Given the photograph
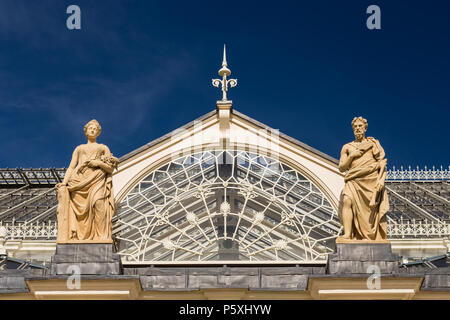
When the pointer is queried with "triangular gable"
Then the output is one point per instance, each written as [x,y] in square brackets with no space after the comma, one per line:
[208,128]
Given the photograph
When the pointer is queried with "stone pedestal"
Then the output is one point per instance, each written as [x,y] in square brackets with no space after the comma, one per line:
[90,258]
[356,258]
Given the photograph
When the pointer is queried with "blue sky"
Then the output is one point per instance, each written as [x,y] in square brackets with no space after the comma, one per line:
[144,68]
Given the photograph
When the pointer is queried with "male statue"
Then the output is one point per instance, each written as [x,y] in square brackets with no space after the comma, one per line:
[364,200]
[85,197]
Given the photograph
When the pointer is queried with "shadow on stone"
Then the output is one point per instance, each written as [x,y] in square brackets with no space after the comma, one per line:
[355,258]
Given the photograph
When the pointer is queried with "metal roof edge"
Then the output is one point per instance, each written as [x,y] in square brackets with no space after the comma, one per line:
[241,115]
[288,138]
[165,137]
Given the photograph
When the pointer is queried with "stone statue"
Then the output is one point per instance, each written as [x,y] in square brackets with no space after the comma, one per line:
[364,200]
[85,197]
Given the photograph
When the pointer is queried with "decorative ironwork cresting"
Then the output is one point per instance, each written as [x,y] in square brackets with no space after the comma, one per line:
[434,174]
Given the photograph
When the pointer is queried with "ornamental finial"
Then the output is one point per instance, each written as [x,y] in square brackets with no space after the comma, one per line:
[224,61]
[224,72]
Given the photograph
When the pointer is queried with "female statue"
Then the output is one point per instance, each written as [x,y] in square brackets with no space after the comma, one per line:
[85,197]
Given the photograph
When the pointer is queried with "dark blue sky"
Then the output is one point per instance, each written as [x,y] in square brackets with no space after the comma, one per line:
[144,68]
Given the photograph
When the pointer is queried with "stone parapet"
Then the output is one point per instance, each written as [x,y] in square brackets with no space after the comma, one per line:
[194,278]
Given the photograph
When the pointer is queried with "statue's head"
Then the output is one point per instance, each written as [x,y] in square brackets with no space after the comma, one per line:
[92,129]
[359,126]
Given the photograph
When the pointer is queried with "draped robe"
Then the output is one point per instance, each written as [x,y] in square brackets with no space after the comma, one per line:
[86,205]
[369,207]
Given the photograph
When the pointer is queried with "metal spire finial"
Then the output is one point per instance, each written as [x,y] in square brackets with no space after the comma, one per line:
[224,61]
[224,72]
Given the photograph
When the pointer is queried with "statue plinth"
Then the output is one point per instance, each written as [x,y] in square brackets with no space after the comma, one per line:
[357,256]
[90,258]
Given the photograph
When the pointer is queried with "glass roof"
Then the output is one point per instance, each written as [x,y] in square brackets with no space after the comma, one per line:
[222,206]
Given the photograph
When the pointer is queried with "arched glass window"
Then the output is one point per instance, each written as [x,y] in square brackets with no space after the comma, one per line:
[222,206]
